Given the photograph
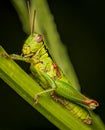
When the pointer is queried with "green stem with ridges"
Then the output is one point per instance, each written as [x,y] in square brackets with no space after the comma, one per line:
[26,87]
[44,24]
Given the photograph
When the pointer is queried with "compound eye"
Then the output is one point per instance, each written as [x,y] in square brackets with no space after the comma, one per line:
[39,38]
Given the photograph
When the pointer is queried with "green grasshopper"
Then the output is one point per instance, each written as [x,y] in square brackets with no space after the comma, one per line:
[48,74]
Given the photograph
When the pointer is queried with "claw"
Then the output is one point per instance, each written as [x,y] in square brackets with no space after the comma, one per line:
[88,121]
[36,99]
[5,55]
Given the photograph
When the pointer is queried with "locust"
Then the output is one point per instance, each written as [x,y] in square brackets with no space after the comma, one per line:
[48,73]
[51,78]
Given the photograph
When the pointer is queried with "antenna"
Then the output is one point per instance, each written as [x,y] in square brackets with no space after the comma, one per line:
[33,23]
[31,19]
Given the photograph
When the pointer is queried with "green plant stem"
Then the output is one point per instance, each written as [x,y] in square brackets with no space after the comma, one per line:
[48,28]
[26,87]
[44,24]
[21,8]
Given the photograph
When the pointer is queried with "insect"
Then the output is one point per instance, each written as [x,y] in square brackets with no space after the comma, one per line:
[50,76]
[47,72]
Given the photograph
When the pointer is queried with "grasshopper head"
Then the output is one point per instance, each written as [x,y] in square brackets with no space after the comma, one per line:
[32,44]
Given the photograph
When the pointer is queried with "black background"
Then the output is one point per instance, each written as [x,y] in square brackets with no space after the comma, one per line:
[81,26]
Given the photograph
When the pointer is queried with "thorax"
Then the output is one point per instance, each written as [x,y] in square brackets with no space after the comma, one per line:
[42,62]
